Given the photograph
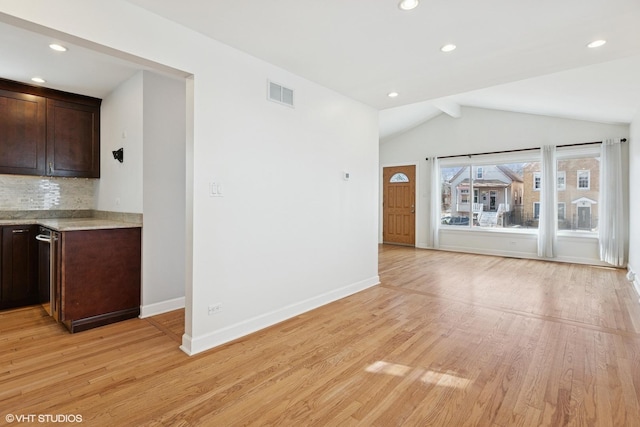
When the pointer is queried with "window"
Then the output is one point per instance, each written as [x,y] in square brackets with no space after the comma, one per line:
[399,177]
[562,179]
[561,211]
[496,200]
[508,193]
[454,203]
[464,195]
[580,195]
[537,180]
[584,179]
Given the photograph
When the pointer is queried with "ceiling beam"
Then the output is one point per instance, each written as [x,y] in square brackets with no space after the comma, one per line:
[448,107]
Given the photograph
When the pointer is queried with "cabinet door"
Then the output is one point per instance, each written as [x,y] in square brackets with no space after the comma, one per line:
[73,139]
[22,133]
[19,275]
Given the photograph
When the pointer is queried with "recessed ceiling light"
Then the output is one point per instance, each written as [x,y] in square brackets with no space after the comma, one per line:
[596,43]
[448,47]
[392,94]
[58,47]
[38,79]
[408,4]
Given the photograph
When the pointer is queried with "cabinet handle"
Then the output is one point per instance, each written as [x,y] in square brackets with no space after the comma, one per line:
[20,231]
[50,167]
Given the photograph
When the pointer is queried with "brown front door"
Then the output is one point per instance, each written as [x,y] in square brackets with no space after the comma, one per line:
[398,205]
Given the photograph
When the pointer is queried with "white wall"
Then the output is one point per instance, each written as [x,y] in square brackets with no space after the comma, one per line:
[164,175]
[146,116]
[289,233]
[478,131]
[119,188]
[634,198]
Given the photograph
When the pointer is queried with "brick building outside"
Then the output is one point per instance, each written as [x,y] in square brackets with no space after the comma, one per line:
[578,194]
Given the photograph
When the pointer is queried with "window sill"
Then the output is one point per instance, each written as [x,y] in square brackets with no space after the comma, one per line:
[524,231]
[579,234]
[492,230]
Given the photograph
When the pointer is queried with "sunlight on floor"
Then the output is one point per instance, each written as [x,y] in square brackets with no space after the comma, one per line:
[430,377]
[445,380]
[381,367]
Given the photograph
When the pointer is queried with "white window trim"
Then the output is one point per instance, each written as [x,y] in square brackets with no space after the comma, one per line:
[588,187]
[562,187]
[491,159]
[539,176]
[462,192]
[564,210]
[479,172]
[563,153]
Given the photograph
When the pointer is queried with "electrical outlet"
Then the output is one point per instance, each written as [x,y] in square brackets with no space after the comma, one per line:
[215,308]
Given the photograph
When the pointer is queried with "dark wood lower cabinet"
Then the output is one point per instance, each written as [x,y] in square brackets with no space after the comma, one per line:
[19,266]
[93,280]
[100,275]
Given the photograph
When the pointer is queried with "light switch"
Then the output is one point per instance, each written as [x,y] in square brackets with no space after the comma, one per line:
[215,189]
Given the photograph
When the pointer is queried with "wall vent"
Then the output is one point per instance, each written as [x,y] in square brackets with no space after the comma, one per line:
[280,94]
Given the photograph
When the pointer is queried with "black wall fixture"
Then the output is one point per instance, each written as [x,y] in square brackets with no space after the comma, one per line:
[119,155]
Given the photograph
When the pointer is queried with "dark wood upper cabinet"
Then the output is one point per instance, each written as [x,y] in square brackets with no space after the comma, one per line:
[47,132]
[22,133]
[73,139]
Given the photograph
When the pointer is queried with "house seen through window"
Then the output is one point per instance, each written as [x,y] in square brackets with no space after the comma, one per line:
[498,195]
[507,195]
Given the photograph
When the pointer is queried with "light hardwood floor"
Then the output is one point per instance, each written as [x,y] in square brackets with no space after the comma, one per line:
[446,340]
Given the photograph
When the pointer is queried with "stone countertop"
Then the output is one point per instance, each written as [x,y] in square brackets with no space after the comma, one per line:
[72,224]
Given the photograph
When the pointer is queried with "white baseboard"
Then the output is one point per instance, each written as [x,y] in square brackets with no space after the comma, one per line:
[193,345]
[161,307]
[522,255]
[635,282]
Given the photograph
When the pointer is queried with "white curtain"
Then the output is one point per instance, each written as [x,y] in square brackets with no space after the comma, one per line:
[611,224]
[548,220]
[434,234]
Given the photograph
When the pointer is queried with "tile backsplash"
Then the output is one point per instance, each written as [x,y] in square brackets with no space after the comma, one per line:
[26,193]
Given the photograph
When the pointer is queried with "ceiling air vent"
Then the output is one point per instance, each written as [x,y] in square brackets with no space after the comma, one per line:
[280,94]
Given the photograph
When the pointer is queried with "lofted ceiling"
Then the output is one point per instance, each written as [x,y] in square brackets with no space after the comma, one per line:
[606,92]
[527,55]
